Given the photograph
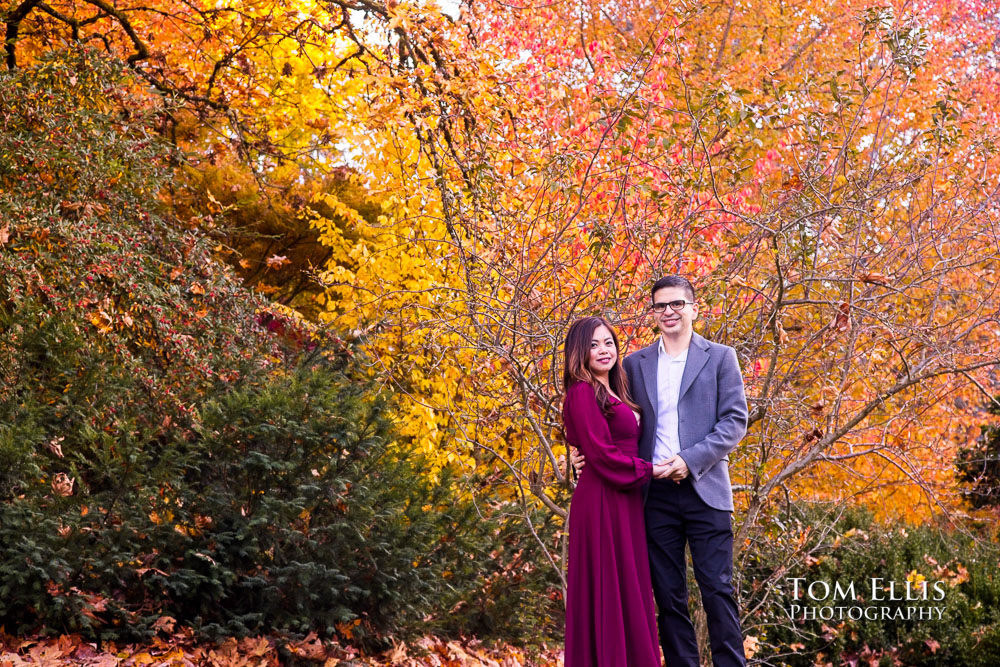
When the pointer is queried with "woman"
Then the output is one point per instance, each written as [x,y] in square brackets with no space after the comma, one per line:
[609,598]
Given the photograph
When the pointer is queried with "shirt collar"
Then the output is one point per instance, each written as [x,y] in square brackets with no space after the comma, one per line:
[661,352]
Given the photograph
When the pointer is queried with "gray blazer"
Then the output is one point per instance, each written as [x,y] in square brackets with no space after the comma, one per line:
[711,411]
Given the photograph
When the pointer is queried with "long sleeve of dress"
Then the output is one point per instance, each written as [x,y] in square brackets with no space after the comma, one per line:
[587,429]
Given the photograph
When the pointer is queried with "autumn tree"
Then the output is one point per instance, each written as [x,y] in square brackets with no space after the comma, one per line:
[825,173]
[830,195]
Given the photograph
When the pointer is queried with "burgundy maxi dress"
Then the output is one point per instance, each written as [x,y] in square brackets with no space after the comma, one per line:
[609,599]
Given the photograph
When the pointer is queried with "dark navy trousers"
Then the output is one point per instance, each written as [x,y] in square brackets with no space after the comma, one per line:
[676,516]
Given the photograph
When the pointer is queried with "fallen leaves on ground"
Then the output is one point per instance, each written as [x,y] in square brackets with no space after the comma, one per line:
[181,650]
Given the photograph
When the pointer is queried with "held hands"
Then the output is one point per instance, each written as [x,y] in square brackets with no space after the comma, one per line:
[673,468]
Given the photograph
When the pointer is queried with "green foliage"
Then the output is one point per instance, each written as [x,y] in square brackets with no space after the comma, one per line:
[959,568]
[304,493]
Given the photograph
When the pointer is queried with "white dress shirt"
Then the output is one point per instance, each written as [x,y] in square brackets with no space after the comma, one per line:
[669,371]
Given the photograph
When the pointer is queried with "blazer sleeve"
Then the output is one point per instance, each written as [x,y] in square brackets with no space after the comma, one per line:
[587,429]
[731,425]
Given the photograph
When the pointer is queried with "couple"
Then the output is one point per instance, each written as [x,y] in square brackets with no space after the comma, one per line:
[654,441]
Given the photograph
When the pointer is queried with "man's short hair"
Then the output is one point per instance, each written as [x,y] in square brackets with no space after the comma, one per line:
[672,281]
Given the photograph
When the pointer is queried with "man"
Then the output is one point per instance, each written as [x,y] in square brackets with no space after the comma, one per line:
[694,413]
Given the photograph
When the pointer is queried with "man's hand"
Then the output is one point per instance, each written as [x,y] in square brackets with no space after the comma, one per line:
[678,468]
[577,459]
[674,468]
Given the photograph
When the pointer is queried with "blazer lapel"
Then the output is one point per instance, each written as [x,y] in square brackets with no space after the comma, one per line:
[696,360]
[647,364]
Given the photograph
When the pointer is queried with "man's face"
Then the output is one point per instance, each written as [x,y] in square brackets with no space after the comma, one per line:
[674,323]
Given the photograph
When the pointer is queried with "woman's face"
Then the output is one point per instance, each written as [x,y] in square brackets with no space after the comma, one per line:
[603,354]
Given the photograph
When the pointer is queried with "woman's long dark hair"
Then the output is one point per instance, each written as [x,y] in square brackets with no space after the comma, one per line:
[576,366]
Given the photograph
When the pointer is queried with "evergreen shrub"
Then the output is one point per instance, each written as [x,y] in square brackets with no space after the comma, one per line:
[958,564]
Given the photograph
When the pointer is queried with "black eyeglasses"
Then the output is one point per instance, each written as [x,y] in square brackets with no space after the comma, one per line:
[675,306]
